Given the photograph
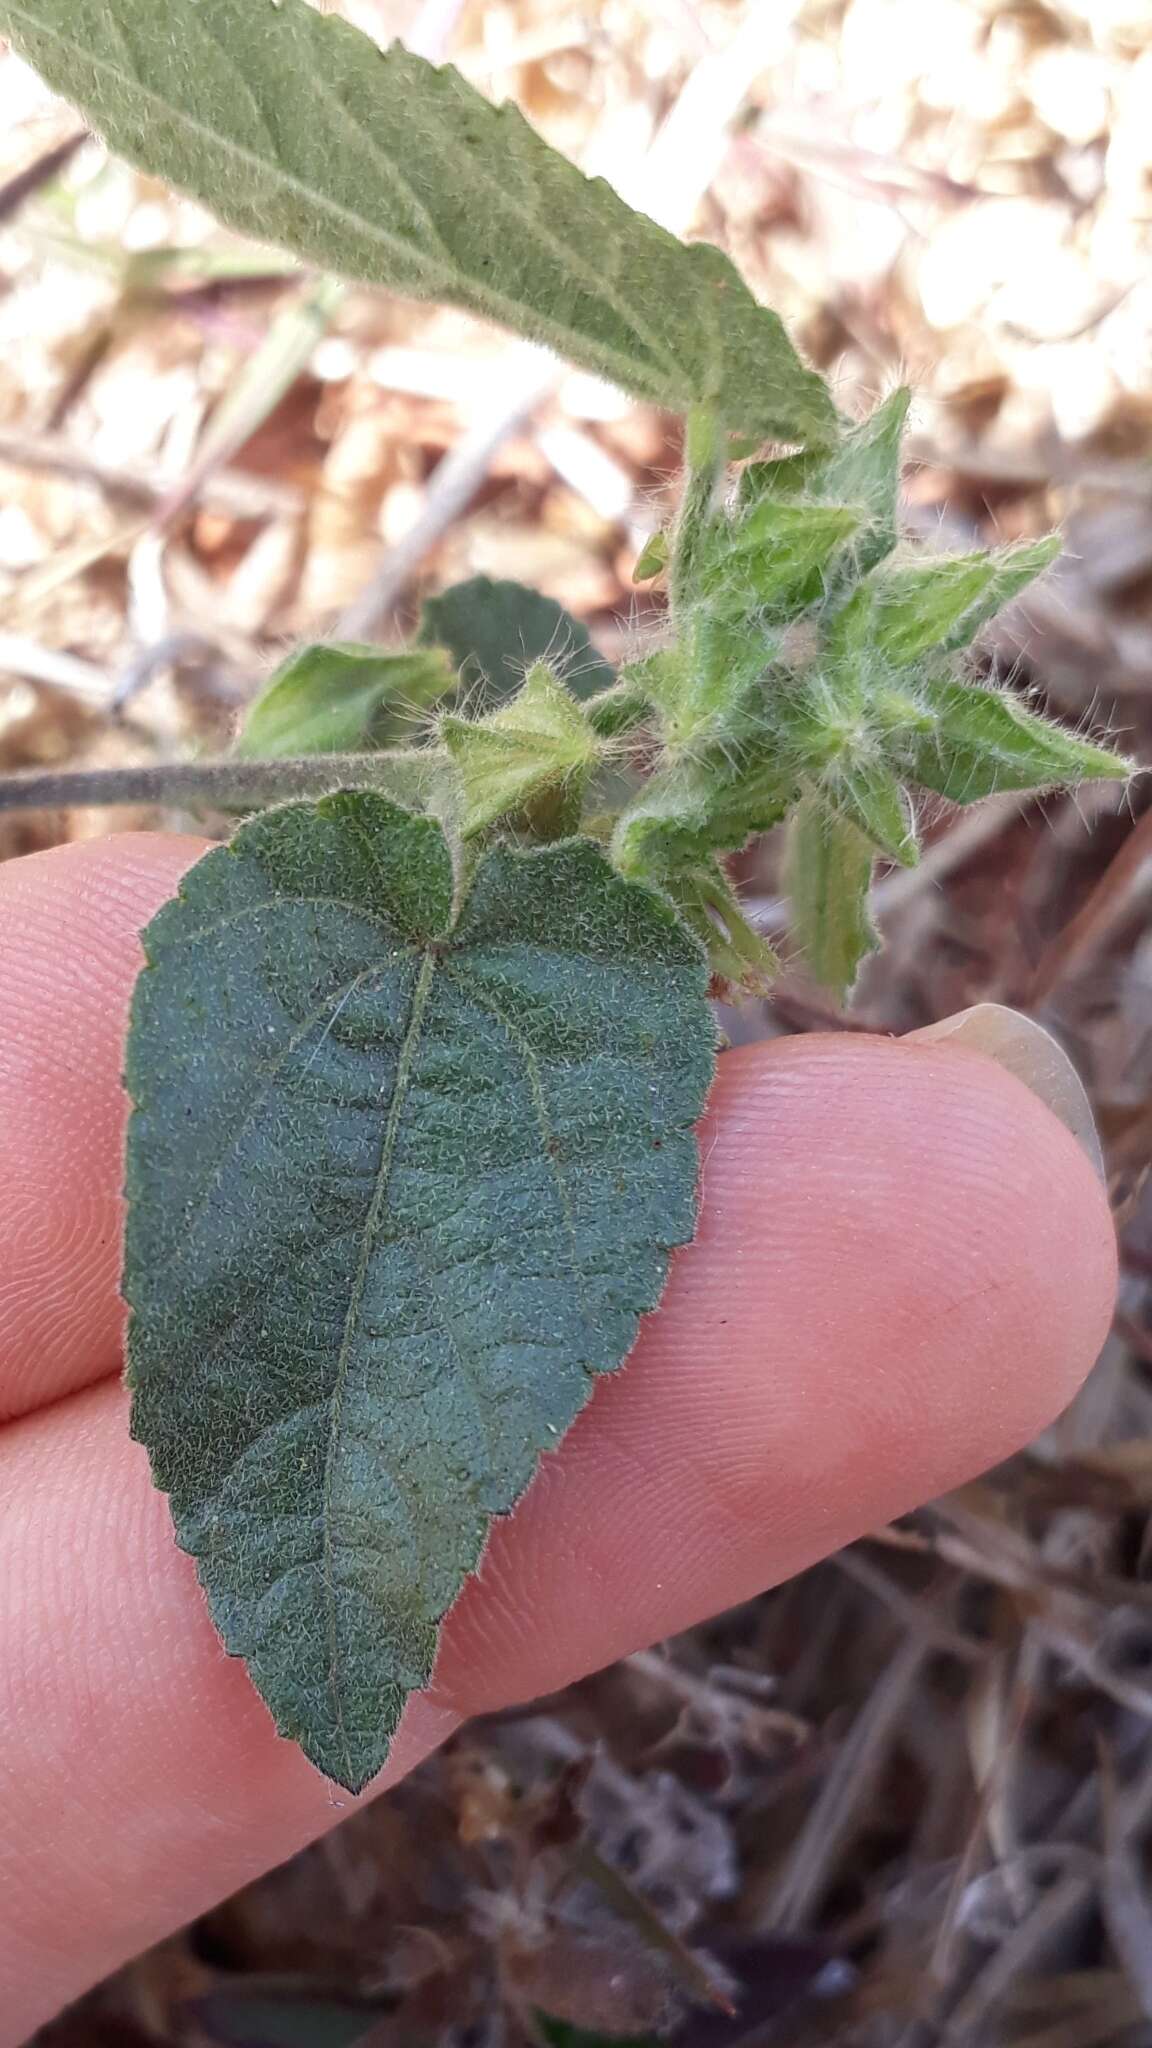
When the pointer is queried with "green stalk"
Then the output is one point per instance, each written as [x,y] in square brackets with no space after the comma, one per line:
[704,451]
[617,711]
[228,784]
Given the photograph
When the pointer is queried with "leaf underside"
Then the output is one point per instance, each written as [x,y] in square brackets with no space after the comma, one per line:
[294,127]
[398,1190]
[333,699]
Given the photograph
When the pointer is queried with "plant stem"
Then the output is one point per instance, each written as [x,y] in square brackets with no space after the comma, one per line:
[617,710]
[703,466]
[225,784]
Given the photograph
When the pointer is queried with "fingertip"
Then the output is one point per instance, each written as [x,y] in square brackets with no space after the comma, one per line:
[1049,1233]
[926,1220]
[120,880]
[903,1269]
[70,920]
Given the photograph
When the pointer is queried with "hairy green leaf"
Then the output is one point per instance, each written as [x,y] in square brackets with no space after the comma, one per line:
[707,686]
[981,741]
[829,873]
[652,559]
[621,709]
[867,792]
[707,902]
[495,629]
[294,127]
[402,1180]
[848,643]
[693,808]
[333,699]
[775,559]
[540,745]
[940,605]
[863,471]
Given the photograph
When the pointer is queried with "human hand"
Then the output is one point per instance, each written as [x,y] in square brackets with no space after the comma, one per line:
[904,1268]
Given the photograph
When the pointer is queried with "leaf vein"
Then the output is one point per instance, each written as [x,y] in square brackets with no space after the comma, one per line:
[273,905]
[400,1085]
[334,1000]
[531,1065]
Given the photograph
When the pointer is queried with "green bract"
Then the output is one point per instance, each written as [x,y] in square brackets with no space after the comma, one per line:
[811,676]
[415,1081]
[403,1178]
[531,759]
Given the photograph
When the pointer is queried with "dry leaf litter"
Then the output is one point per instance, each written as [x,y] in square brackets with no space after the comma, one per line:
[906,1799]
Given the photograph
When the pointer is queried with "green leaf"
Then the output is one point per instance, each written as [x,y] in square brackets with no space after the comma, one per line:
[819,720]
[829,875]
[863,471]
[401,1183]
[776,559]
[621,709]
[495,630]
[941,605]
[848,643]
[867,792]
[294,127]
[660,676]
[558,2034]
[539,745]
[690,809]
[334,699]
[707,902]
[982,741]
[653,558]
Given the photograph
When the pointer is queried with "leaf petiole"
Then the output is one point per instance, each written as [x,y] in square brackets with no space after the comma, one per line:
[704,453]
[408,776]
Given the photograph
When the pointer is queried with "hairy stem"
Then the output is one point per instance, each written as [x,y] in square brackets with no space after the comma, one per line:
[226,784]
[704,448]
[617,710]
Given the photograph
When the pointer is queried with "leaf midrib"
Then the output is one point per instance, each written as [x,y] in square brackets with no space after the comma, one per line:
[404,1065]
[434,955]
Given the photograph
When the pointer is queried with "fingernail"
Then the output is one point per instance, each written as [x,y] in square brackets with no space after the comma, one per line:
[1033,1055]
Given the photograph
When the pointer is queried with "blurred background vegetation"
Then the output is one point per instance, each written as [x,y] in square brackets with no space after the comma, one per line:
[904,1800]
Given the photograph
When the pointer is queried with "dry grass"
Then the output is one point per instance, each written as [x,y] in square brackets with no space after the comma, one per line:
[957,191]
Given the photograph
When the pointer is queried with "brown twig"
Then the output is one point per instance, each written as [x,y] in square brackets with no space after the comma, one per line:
[242,496]
[1127,877]
[41,172]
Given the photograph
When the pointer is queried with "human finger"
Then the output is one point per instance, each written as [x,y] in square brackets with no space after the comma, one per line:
[904,1266]
[70,921]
